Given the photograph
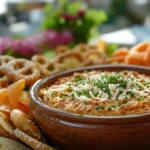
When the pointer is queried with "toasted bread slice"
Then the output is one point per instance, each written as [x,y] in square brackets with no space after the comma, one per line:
[6,127]
[8,144]
[28,140]
[23,122]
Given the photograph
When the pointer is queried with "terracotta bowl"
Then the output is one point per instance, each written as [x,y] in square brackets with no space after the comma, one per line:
[70,131]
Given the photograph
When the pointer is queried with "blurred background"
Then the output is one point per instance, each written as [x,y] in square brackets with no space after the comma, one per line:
[128,21]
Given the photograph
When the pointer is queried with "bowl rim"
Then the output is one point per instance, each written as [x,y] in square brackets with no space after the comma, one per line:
[37,100]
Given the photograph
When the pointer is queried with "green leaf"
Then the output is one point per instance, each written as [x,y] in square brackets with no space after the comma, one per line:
[94,32]
[62,3]
[96,16]
[19,36]
[48,8]
[102,17]
[49,23]
[73,7]
[62,20]
[111,49]
[79,22]
[49,53]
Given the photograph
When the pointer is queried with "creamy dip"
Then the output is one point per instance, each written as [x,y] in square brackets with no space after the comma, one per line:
[100,93]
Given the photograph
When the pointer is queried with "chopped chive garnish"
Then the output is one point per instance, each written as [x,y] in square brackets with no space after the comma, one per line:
[99,107]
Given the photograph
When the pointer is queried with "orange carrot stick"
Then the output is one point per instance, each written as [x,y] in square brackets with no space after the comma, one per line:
[142,47]
[121,52]
[147,57]
[135,59]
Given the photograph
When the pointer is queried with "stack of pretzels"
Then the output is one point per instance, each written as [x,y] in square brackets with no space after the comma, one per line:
[13,69]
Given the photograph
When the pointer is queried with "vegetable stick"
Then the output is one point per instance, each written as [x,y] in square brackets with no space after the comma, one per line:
[135,59]
[140,47]
[147,56]
[121,52]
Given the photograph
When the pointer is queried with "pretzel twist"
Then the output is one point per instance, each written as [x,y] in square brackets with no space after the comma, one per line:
[22,69]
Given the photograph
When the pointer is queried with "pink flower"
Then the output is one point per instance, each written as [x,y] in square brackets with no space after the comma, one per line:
[39,40]
[5,44]
[81,13]
[69,17]
[54,38]
[24,47]
[33,45]
[67,37]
